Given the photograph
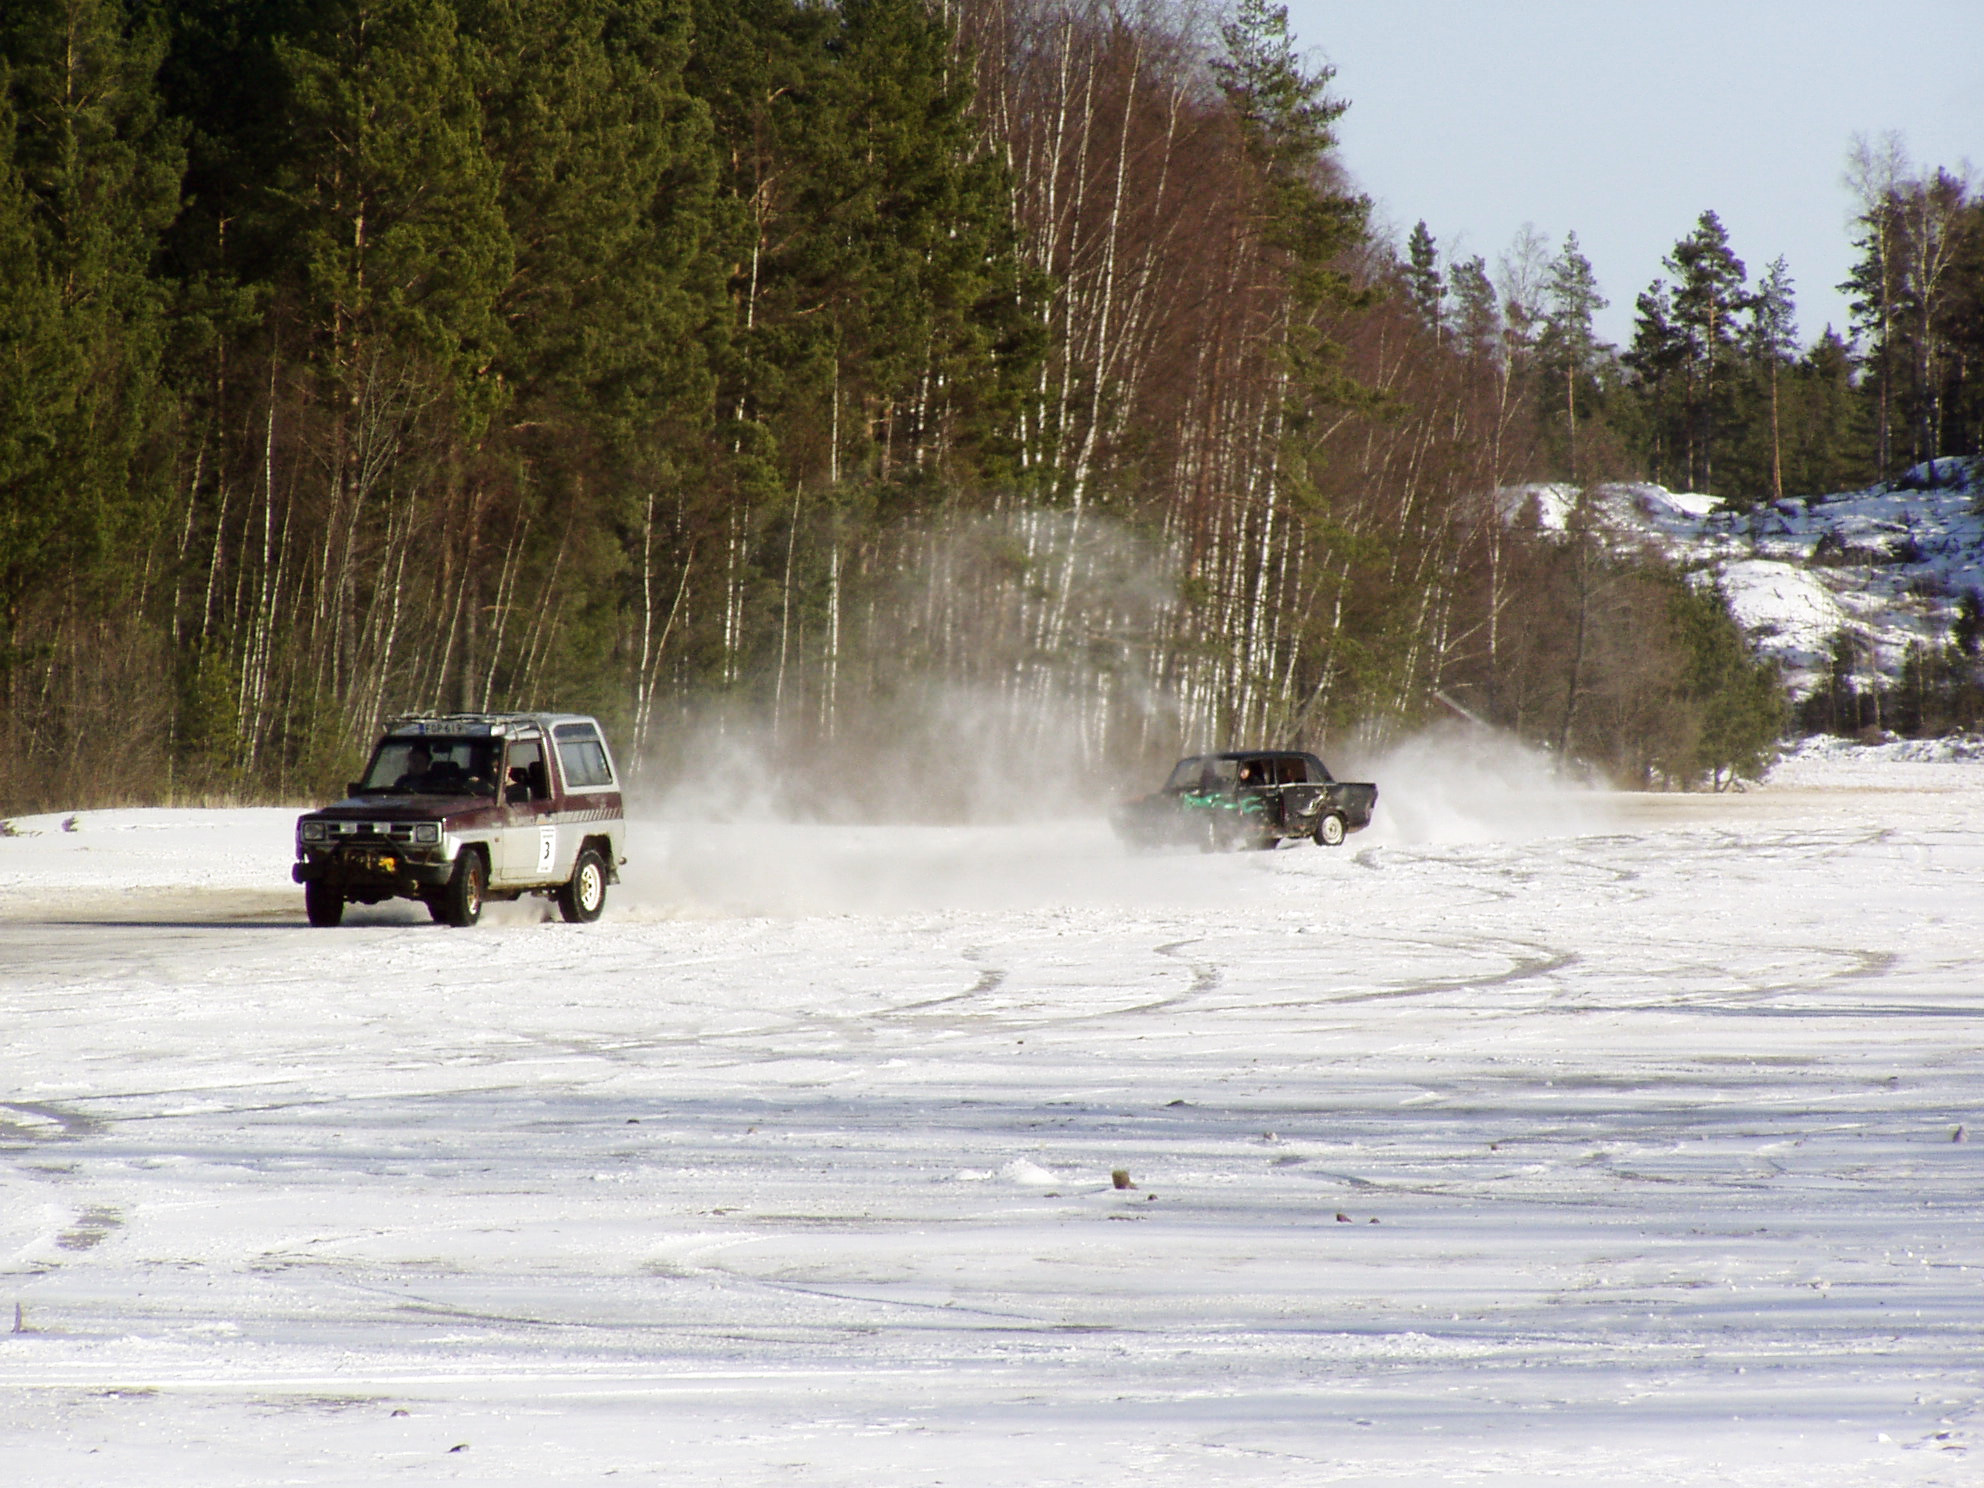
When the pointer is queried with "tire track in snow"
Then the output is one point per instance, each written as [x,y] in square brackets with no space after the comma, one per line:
[67,1125]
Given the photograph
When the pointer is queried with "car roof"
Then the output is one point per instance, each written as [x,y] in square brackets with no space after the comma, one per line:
[1237,754]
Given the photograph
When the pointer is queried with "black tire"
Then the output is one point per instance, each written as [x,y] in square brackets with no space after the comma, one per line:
[323,905]
[1330,830]
[461,900]
[581,899]
[436,901]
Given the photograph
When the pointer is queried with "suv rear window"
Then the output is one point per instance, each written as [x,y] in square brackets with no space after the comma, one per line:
[583,757]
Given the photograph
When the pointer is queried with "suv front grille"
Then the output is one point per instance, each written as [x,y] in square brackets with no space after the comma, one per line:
[362,831]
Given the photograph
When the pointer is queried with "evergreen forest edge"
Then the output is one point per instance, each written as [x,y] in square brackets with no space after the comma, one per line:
[880,382]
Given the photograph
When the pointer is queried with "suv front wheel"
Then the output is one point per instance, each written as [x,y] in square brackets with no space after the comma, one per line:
[323,905]
[584,896]
[461,900]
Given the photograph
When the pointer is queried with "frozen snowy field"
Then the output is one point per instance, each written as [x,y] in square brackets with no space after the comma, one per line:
[1533,1139]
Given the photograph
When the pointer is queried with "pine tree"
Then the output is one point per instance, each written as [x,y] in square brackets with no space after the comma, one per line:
[1708,304]
[1287,122]
[389,195]
[1771,341]
[1829,443]
[1657,358]
[1875,173]
[1423,282]
[398,252]
[1570,346]
[1737,698]
[914,240]
[606,168]
[89,177]
[1908,288]
[1963,331]
[1477,311]
[39,380]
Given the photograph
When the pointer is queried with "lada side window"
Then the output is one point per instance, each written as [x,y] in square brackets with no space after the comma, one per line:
[1255,773]
[583,757]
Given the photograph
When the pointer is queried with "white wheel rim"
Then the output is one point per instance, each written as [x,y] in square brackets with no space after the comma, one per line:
[592,887]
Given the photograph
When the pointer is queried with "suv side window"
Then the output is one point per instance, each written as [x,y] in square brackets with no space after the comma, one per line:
[527,769]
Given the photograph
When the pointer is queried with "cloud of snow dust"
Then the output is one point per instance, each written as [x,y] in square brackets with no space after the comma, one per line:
[1467,783]
[1001,677]
[967,758]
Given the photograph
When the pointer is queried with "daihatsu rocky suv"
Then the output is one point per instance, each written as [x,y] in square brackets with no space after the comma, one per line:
[461,808]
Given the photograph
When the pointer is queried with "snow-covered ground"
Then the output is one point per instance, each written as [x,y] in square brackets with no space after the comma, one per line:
[1887,566]
[1532,1137]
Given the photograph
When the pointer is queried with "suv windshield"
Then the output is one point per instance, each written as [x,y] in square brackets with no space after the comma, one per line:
[430,766]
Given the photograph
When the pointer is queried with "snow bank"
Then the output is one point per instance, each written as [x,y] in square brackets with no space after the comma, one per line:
[1887,565]
[187,848]
[1785,611]
[1916,765]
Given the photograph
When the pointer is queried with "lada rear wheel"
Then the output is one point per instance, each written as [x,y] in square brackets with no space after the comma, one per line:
[323,905]
[1329,830]
[581,900]
[462,901]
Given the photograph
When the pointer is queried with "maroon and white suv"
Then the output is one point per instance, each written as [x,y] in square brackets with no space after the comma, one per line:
[457,809]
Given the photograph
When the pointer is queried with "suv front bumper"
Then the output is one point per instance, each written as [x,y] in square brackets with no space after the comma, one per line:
[372,870]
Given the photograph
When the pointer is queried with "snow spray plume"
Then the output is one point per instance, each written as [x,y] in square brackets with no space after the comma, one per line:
[999,674]
[992,686]
[1469,783]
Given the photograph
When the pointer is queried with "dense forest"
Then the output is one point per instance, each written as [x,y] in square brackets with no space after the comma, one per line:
[875,388]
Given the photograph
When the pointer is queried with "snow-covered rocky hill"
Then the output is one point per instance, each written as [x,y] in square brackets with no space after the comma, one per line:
[1888,565]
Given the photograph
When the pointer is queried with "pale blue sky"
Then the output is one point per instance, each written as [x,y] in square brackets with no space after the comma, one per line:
[1623,121]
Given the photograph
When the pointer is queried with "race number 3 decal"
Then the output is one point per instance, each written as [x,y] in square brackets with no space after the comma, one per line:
[547,848]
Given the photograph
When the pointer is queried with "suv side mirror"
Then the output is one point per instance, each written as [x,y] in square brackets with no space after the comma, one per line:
[516,794]
[353,787]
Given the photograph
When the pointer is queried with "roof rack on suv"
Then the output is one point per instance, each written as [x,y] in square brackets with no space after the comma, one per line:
[456,723]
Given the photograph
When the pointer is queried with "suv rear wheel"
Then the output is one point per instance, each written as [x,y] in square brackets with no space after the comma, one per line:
[461,900]
[581,899]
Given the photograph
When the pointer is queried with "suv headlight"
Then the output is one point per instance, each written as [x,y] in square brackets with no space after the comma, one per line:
[315,831]
[426,831]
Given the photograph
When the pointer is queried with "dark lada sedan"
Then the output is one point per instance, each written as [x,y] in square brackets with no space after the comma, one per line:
[1247,798]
